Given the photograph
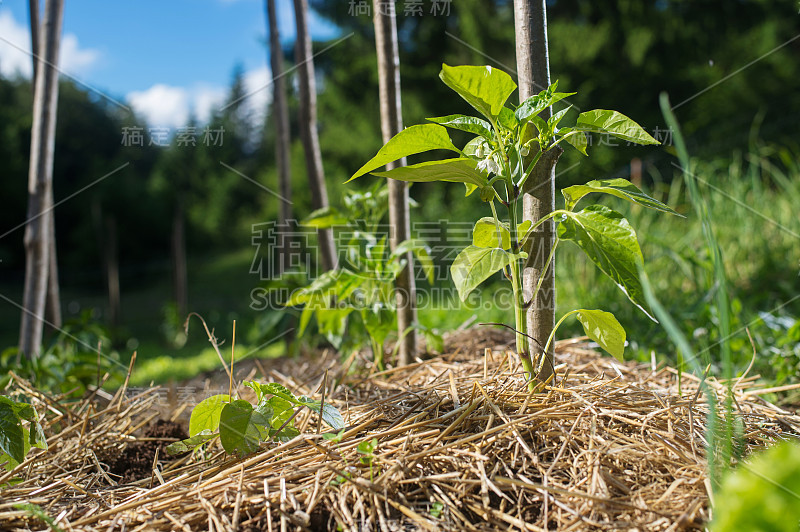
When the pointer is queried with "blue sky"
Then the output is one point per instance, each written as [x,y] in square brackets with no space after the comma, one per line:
[165,58]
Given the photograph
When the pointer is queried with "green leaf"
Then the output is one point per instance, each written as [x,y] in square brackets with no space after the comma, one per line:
[615,124]
[256,387]
[380,322]
[610,242]
[761,493]
[330,414]
[471,148]
[205,415]
[410,141]
[470,124]
[485,233]
[420,250]
[470,189]
[239,427]
[37,438]
[552,123]
[12,438]
[507,119]
[541,125]
[283,401]
[618,187]
[279,390]
[603,328]
[24,411]
[335,437]
[190,444]
[368,446]
[283,412]
[537,103]
[483,87]
[339,283]
[577,139]
[308,312]
[36,511]
[332,323]
[265,408]
[8,464]
[459,170]
[474,265]
[325,218]
[433,339]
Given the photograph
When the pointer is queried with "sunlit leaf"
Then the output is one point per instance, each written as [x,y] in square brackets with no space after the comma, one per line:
[192,443]
[325,218]
[460,170]
[618,187]
[205,415]
[485,88]
[470,124]
[610,242]
[410,141]
[614,123]
[474,265]
[603,328]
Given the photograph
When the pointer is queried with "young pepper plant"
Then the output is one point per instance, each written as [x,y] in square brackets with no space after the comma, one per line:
[508,143]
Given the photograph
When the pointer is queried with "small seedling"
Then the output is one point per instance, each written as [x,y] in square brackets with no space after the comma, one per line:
[37,511]
[20,430]
[436,509]
[333,437]
[367,449]
[242,426]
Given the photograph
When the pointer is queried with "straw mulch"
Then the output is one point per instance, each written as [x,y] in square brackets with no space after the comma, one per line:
[461,446]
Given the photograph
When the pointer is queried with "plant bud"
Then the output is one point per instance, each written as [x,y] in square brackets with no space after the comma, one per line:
[487,193]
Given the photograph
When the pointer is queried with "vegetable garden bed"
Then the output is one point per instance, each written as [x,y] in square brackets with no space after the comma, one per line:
[450,443]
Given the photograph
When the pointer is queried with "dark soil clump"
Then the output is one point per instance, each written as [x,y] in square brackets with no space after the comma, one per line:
[136,460]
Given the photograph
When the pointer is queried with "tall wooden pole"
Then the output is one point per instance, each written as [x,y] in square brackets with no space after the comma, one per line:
[308,128]
[52,309]
[40,182]
[533,70]
[280,110]
[385,20]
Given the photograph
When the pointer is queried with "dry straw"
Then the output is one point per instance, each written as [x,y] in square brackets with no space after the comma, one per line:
[461,446]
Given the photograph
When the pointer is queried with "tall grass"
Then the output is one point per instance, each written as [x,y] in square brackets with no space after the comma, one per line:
[751,204]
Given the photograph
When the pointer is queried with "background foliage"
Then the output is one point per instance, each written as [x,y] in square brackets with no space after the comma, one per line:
[739,119]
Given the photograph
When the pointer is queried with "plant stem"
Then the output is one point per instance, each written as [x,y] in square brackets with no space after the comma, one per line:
[521,325]
[377,355]
[552,336]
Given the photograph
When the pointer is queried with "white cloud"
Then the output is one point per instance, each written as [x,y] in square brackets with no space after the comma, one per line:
[171,106]
[258,87]
[75,60]
[162,105]
[12,60]
[206,99]
[15,46]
